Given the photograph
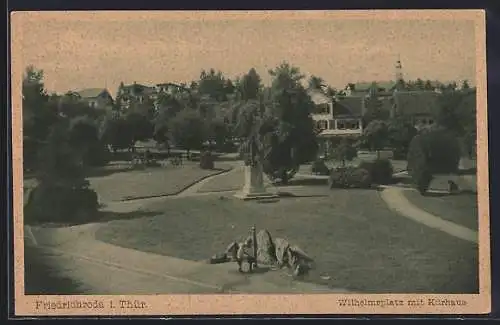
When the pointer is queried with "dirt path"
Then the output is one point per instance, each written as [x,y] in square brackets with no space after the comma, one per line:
[396,201]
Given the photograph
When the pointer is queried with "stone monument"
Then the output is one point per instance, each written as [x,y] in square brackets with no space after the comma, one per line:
[253,148]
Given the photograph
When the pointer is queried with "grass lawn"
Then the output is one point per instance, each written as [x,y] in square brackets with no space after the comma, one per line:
[227,182]
[149,182]
[461,209]
[363,247]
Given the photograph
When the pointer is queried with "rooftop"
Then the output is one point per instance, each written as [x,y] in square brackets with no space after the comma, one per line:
[416,102]
[91,92]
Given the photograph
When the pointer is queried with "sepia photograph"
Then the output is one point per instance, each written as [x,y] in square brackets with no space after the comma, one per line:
[328,160]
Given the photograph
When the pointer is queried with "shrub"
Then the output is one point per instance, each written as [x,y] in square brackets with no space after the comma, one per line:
[432,152]
[207,160]
[61,204]
[98,155]
[348,177]
[319,167]
[380,170]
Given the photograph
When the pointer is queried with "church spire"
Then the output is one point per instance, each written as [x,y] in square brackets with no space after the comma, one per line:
[399,73]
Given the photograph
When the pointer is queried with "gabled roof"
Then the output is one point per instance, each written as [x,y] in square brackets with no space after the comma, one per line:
[365,86]
[349,105]
[416,102]
[91,92]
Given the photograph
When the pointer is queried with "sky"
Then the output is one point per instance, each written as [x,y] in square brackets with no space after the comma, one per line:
[96,50]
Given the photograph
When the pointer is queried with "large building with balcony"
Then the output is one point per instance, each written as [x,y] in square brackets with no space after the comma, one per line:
[336,118]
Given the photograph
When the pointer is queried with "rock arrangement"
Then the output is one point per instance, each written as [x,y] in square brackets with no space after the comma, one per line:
[275,252]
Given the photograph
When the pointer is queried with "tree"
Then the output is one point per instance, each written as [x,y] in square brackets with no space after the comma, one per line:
[419,84]
[250,85]
[465,85]
[139,125]
[117,134]
[291,136]
[400,133]
[39,114]
[188,130]
[345,151]
[212,84]
[229,87]
[457,113]
[401,84]
[84,137]
[219,132]
[428,85]
[316,83]
[331,92]
[374,109]
[432,151]
[452,86]
[62,193]
[375,136]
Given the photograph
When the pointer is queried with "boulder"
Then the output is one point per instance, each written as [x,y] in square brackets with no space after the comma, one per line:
[297,251]
[231,251]
[265,248]
[282,248]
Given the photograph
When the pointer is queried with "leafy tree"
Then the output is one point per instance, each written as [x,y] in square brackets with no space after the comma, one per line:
[419,84]
[229,88]
[213,84]
[139,125]
[375,136]
[84,137]
[219,132]
[432,151]
[400,133]
[117,134]
[331,92]
[62,193]
[39,114]
[374,109]
[452,86]
[316,82]
[457,113]
[188,130]
[428,85]
[343,152]
[287,126]
[401,84]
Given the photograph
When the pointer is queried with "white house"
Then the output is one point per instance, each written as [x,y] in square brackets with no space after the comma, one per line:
[337,118]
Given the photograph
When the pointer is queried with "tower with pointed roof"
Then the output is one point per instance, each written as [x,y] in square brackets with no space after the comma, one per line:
[399,74]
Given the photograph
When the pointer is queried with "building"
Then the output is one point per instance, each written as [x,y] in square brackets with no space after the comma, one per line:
[336,118]
[142,93]
[135,93]
[418,107]
[99,98]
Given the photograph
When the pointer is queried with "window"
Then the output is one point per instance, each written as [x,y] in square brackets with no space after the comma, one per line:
[352,125]
[322,109]
[322,125]
[332,124]
[341,125]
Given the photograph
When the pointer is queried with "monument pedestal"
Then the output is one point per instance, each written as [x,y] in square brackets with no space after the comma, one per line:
[254,188]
